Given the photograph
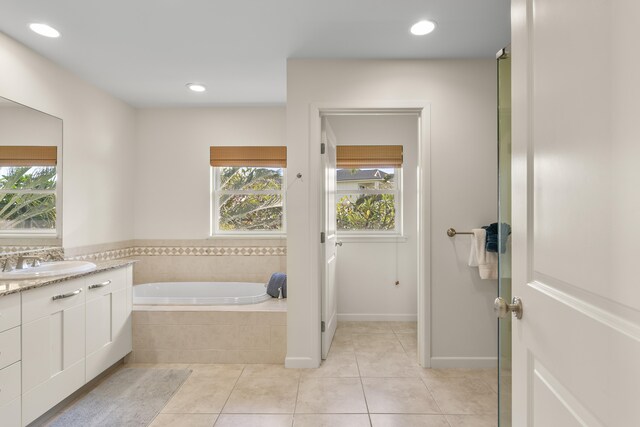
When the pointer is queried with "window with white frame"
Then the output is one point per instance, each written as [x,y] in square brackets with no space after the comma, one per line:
[28,190]
[248,190]
[369,189]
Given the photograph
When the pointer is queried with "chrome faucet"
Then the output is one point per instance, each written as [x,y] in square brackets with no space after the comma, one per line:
[20,264]
[6,264]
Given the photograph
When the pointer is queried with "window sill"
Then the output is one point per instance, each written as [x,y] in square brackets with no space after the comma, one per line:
[28,235]
[372,239]
[248,237]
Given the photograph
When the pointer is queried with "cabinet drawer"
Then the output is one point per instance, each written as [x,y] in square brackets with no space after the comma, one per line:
[10,382]
[9,347]
[105,282]
[9,311]
[40,302]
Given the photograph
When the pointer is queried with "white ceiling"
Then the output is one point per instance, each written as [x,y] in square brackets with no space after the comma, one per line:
[145,51]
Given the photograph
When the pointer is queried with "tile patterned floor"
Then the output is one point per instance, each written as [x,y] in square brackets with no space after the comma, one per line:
[369,379]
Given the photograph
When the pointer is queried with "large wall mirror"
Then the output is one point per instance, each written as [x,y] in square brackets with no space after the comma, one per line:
[30,178]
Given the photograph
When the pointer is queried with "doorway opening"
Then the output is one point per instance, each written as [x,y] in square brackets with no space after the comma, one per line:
[374,258]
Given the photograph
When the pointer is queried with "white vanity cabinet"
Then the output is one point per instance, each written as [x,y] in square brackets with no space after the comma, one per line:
[108,325]
[10,389]
[53,345]
[71,332]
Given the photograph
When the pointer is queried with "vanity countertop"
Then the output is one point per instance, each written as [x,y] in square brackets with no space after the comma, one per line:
[8,287]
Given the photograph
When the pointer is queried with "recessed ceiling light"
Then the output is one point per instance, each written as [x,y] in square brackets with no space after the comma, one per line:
[423,27]
[44,30]
[196,87]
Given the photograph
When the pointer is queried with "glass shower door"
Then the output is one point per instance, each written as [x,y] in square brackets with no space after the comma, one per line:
[504,219]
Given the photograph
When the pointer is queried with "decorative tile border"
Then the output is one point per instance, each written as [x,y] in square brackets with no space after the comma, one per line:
[105,255]
[184,251]
[210,251]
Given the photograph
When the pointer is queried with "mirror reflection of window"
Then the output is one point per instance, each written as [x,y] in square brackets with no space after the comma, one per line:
[28,190]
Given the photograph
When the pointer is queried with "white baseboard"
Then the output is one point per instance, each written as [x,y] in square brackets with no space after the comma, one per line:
[356,317]
[464,362]
[300,363]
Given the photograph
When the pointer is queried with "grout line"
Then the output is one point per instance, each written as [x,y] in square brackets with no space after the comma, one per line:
[230,393]
[295,404]
[433,397]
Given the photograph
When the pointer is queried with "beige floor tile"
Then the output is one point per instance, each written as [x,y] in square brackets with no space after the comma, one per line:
[200,395]
[365,327]
[398,396]
[158,365]
[387,365]
[184,420]
[404,420]
[463,396]
[270,371]
[341,365]
[217,370]
[331,420]
[472,420]
[254,420]
[330,395]
[408,340]
[377,343]
[478,374]
[342,346]
[263,395]
[399,327]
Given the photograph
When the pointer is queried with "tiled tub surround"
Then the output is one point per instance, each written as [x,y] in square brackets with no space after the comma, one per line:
[217,260]
[210,260]
[255,333]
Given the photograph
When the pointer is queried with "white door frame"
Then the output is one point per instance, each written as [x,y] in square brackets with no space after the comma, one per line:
[423,110]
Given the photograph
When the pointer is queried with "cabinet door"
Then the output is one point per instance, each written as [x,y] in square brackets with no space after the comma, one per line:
[53,346]
[106,320]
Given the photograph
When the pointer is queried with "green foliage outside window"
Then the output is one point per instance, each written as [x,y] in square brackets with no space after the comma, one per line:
[254,202]
[27,198]
[366,212]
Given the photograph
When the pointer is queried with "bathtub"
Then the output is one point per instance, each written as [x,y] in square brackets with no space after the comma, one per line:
[207,322]
[200,293]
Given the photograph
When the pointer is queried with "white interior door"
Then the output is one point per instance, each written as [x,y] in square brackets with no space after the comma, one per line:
[576,200]
[329,249]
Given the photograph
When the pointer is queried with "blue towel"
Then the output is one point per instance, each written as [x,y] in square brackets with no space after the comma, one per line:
[277,280]
[493,234]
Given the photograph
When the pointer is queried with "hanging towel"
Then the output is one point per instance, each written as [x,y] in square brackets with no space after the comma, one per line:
[277,280]
[492,236]
[487,262]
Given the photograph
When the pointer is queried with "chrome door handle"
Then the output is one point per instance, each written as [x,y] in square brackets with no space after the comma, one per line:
[338,243]
[69,295]
[99,285]
[502,308]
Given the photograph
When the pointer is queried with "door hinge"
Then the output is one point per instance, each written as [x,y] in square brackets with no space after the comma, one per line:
[322,237]
[322,148]
[322,327]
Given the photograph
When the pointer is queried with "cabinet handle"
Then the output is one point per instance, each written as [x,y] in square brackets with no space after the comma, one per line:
[70,294]
[100,285]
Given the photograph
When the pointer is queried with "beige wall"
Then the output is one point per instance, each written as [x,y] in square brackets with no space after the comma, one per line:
[172,184]
[462,97]
[99,140]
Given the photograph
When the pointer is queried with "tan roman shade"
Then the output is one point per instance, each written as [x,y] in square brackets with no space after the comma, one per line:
[16,155]
[361,156]
[237,156]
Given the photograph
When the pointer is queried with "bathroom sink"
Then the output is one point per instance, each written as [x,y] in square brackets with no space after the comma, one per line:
[47,269]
